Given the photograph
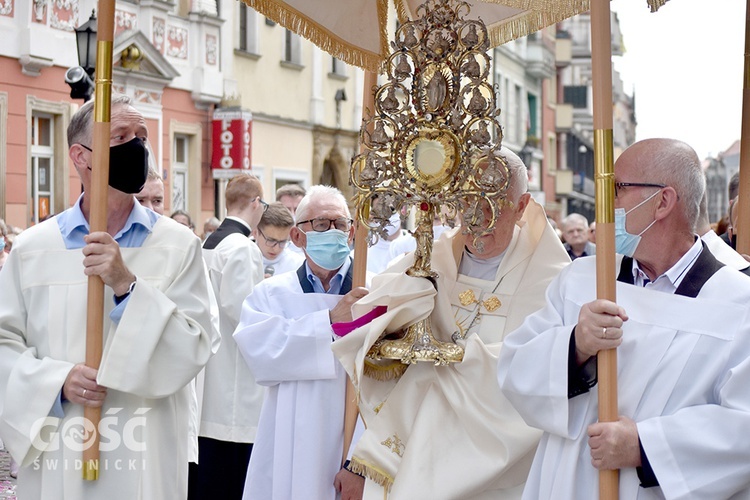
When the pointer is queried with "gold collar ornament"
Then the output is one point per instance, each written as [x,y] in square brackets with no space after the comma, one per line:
[467,298]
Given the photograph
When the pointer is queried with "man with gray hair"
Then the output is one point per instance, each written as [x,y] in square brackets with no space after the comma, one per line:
[683,352]
[575,231]
[452,420]
[285,336]
[152,194]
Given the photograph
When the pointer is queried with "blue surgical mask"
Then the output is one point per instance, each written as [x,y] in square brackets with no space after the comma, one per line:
[2,243]
[329,249]
[625,242]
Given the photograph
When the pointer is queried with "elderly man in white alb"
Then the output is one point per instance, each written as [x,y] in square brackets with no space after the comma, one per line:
[285,336]
[447,431]
[681,326]
[157,334]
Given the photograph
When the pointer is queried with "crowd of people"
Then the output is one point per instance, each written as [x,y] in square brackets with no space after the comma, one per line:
[226,355]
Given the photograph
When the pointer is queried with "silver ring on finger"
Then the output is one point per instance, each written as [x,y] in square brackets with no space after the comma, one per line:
[604,333]
[84,394]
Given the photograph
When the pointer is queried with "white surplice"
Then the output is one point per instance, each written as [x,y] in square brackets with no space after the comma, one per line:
[378,256]
[149,359]
[447,432]
[683,376]
[285,336]
[231,398]
[287,260]
[723,252]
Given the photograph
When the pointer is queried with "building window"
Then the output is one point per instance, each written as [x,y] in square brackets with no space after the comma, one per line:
[248,29]
[576,95]
[282,177]
[551,154]
[532,122]
[42,166]
[338,68]
[180,178]
[292,48]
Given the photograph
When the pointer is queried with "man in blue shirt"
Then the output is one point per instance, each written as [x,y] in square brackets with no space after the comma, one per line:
[157,334]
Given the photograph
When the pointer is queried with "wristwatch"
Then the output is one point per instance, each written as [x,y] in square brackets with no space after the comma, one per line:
[120,298]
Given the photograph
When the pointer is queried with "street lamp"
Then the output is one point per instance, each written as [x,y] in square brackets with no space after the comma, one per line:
[526,154]
[86,42]
[79,78]
[339,98]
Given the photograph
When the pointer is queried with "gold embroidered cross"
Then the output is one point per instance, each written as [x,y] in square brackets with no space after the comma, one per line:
[394,444]
[467,297]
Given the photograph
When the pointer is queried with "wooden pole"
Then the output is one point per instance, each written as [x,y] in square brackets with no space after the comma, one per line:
[98,216]
[359,273]
[601,62]
[743,221]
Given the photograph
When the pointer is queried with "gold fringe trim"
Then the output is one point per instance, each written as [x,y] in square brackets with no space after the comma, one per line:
[308,28]
[655,4]
[371,471]
[566,7]
[384,373]
[401,11]
[531,21]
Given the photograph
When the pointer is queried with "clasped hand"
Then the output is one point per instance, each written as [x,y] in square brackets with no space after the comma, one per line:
[599,328]
[102,258]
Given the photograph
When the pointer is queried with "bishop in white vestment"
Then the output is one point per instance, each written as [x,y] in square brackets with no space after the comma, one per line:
[446,431]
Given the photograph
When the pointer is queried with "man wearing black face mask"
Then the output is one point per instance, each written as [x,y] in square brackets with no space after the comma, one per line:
[157,333]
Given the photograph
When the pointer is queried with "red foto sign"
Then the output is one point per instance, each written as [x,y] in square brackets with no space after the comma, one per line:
[231,141]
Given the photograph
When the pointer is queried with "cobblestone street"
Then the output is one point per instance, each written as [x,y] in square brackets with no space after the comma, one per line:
[7,483]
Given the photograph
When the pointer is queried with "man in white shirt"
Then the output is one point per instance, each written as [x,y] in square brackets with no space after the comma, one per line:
[231,398]
[272,237]
[681,326]
[285,336]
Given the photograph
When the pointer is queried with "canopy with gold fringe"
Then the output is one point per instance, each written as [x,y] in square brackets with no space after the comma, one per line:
[355,31]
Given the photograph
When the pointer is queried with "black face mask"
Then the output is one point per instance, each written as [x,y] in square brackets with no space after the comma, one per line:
[733,241]
[128,165]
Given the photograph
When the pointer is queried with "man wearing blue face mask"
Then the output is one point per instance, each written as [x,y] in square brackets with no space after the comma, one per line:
[285,336]
[683,352]
[157,334]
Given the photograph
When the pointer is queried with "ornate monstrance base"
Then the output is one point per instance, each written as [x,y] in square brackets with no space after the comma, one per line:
[417,345]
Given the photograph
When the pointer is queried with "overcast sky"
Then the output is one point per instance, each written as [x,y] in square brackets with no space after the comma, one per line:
[685,65]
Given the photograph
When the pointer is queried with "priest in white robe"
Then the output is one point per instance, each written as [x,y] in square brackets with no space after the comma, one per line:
[718,247]
[157,335]
[285,336]
[231,399]
[447,431]
[681,327]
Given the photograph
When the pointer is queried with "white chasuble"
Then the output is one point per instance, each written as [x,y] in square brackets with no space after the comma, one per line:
[149,359]
[447,432]
[683,377]
[285,337]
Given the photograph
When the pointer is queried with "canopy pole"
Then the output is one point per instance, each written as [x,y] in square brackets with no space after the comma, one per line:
[743,221]
[98,215]
[601,61]
[359,274]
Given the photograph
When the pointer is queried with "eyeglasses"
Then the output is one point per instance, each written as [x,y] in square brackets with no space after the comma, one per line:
[263,203]
[271,242]
[321,225]
[620,185]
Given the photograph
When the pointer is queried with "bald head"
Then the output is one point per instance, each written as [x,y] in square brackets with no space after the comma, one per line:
[670,162]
